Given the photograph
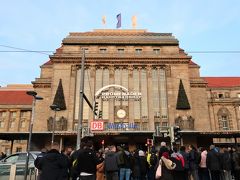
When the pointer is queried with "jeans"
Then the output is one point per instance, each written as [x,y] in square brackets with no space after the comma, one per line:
[125,173]
[113,175]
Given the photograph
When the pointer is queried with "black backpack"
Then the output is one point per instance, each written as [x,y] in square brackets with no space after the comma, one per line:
[153,159]
[197,157]
[179,161]
[110,162]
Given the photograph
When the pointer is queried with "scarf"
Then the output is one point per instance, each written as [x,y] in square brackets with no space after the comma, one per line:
[168,163]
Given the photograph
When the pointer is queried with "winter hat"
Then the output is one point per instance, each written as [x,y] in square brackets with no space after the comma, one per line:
[141,153]
[163,143]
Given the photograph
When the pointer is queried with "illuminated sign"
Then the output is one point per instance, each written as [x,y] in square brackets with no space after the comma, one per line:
[125,126]
[97,125]
[122,95]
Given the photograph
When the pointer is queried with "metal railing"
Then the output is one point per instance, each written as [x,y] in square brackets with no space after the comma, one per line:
[16,172]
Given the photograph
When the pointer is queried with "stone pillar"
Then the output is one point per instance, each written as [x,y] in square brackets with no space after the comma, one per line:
[130,88]
[92,82]
[111,101]
[150,98]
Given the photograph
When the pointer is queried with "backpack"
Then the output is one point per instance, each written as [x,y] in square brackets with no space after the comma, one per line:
[197,157]
[111,163]
[153,159]
[180,163]
[122,158]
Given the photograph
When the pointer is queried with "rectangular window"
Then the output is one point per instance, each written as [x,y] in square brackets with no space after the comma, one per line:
[103,50]
[121,50]
[157,115]
[18,149]
[75,127]
[22,124]
[13,116]
[164,124]
[227,95]
[220,96]
[156,51]
[11,124]
[224,123]
[23,114]
[138,51]
[1,124]
[238,95]
[2,114]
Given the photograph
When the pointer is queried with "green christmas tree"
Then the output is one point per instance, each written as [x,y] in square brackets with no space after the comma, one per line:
[182,100]
[59,99]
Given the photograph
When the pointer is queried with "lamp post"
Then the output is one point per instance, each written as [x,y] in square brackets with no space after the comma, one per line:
[80,115]
[35,97]
[55,108]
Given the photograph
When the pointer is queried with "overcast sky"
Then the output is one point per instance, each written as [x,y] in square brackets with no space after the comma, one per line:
[199,25]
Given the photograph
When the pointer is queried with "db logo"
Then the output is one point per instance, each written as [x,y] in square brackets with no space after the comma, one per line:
[97,125]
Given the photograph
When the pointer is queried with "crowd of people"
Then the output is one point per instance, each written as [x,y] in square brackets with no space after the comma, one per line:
[118,163]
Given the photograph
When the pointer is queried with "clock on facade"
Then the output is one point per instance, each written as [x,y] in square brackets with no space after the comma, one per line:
[121,113]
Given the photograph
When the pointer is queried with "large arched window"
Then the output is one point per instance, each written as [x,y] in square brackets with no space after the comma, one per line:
[224,119]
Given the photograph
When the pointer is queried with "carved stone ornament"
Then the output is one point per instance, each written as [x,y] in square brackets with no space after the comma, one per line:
[185,122]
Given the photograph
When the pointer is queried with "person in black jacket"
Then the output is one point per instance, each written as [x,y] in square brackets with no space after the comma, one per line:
[193,162]
[186,160]
[53,165]
[213,163]
[87,162]
[226,164]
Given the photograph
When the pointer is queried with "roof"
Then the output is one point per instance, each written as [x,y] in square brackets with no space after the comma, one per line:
[49,62]
[15,97]
[215,82]
[123,36]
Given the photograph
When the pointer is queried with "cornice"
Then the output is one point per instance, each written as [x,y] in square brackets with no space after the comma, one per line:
[197,85]
[41,85]
[126,61]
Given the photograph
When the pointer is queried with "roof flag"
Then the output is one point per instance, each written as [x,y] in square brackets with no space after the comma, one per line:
[104,20]
[134,22]
[119,20]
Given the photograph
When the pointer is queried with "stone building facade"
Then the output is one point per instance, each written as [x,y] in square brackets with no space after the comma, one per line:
[142,83]
[15,115]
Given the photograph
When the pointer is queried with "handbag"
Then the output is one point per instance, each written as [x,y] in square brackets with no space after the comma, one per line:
[159,170]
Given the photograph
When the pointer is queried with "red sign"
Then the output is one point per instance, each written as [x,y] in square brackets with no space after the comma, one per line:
[97,125]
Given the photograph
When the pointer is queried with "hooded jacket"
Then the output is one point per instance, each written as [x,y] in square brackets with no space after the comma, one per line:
[53,166]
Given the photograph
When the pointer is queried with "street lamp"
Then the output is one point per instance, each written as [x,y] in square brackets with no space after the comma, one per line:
[35,97]
[55,108]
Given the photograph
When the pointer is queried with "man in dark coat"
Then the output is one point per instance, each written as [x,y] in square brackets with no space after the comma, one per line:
[87,162]
[53,165]
[213,163]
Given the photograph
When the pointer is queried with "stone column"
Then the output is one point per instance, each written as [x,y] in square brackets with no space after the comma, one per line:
[130,88]
[150,98]
[111,101]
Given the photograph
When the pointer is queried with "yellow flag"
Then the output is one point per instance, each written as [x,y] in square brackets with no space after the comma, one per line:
[134,22]
[104,20]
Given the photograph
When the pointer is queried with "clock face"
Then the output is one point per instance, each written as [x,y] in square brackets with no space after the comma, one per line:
[121,113]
